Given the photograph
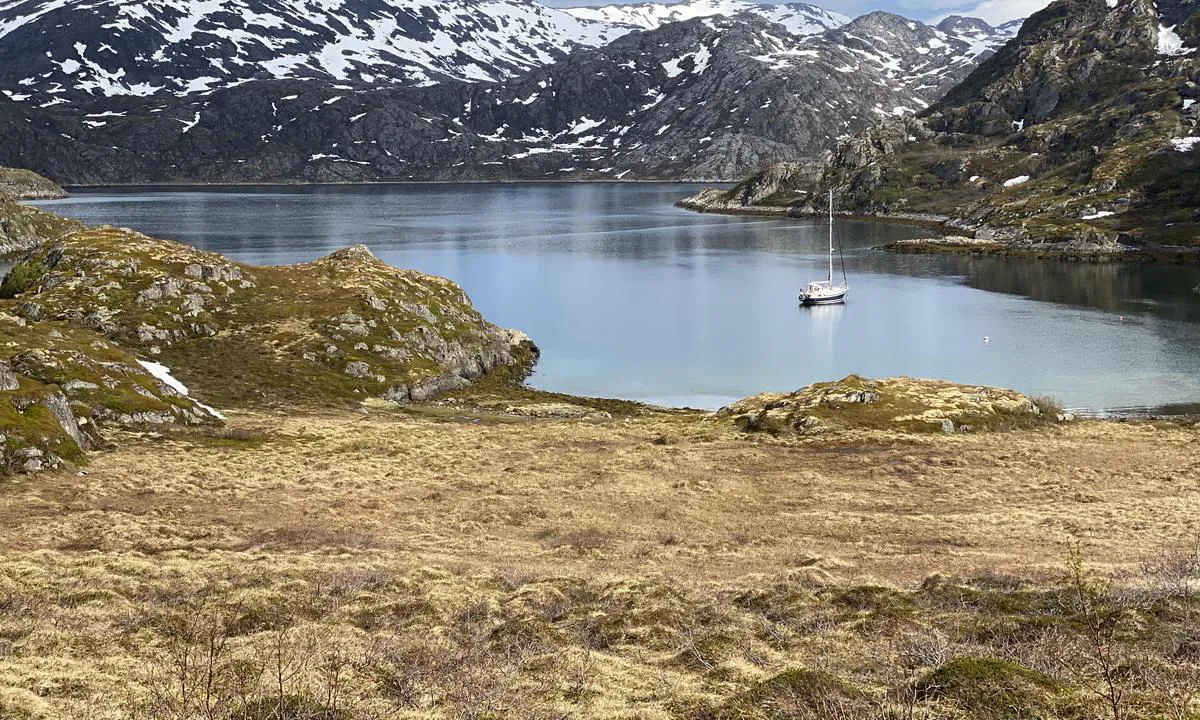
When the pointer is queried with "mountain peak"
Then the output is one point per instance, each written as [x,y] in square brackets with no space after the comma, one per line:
[960,24]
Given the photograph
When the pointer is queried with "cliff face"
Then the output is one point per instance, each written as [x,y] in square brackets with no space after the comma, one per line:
[99,326]
[1081,132]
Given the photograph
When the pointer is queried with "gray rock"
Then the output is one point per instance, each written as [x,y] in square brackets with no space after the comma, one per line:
[31,311]
[8,379]
[432,387]
[397,394]
[61,410]
[193,305]
[218,273]
[359,370]
[945,424]
[73,386]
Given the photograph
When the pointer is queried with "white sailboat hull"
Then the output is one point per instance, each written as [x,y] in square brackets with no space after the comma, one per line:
[824,297]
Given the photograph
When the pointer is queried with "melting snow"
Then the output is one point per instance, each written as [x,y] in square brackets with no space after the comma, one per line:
[1186,144]
[1099,214]
[1019,180]
[162,373]
[1169,42]
[189,125]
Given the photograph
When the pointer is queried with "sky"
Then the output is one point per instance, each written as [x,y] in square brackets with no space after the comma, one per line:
[993,11]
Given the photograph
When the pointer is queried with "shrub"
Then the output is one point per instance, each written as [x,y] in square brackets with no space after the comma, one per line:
[1048,405]
[22,277]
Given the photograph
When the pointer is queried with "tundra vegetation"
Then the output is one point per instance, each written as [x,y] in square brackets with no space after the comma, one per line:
[380,521]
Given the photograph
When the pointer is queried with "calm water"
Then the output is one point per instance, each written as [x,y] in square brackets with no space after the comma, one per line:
[630,297]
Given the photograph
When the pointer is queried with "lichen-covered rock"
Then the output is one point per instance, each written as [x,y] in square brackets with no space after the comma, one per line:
[340,328]
[23,227]
[28,185]
[898,404]
[8,379]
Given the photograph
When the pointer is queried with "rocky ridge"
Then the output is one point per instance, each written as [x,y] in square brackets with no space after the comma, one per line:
[23,227]
[1078,137]
[94,322]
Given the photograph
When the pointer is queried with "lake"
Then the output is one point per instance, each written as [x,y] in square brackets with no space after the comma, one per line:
[631,297]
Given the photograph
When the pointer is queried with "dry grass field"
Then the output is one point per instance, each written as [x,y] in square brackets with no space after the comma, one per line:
[453,564]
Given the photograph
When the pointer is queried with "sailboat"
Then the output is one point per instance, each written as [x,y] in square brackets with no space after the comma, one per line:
[824,292]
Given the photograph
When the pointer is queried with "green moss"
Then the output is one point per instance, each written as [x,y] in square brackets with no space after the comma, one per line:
[990,689]
[26,421]
[792,695]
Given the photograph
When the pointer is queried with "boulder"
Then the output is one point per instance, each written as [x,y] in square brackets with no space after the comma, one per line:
[61,409]
[359,370]
[8,379]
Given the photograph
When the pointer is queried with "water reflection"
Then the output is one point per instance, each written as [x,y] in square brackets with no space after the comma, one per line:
[630,297]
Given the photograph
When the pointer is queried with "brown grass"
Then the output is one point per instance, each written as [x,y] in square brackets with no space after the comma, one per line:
[410,567]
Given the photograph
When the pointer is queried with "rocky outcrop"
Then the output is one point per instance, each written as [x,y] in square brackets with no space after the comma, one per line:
[897,405]
[87,307]
[22,228]
[342,328]
[1078,138]
[26,185]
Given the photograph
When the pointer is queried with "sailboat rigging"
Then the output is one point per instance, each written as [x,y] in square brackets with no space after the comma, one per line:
[825,292]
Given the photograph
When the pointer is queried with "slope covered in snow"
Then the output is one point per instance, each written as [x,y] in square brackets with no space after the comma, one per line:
[799,18]
[54,51]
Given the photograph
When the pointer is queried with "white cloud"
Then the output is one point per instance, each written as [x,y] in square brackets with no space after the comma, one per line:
[998,12]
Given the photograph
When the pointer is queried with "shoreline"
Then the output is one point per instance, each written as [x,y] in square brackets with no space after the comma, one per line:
[385,183]
[946,244]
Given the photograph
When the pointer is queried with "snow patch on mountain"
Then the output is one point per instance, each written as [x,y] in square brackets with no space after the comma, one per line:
[116,47]
[800,19]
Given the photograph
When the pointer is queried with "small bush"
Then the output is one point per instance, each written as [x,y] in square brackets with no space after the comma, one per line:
[22,277]
[580,540]
[1048,405]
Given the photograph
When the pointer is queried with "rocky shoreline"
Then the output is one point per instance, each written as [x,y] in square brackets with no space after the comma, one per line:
[983,240]
[1065,252]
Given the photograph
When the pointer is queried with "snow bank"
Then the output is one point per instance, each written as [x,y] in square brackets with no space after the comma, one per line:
[162,373]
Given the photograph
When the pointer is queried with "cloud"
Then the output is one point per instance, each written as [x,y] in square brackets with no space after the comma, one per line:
[997,12]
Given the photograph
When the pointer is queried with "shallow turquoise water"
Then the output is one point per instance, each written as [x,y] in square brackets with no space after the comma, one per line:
[630,297]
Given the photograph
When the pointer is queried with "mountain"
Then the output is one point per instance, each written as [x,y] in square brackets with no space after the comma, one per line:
[57,52]
[798,18]
[707,98]
[1081,134]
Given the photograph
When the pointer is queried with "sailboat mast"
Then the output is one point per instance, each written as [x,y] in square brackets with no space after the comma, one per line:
[831,238]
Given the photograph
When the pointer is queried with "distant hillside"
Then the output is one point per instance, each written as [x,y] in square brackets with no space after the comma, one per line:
[712,97]
[1081,133]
